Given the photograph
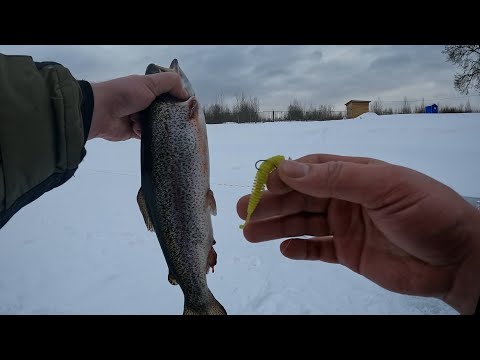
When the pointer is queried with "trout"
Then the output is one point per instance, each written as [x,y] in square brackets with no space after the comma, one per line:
[175,198]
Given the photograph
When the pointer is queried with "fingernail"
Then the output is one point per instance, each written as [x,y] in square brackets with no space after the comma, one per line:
[294,169]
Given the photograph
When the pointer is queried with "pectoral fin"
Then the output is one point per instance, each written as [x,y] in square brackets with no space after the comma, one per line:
[212,204]
[143,209]
[212,258]
[171,279]
[193,108]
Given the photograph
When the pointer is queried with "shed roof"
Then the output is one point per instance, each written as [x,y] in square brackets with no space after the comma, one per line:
[358,101]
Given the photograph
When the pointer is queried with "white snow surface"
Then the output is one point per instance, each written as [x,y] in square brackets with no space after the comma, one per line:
[83,247]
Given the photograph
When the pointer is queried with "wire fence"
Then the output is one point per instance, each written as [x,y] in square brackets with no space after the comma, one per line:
[306,115]
[248,110]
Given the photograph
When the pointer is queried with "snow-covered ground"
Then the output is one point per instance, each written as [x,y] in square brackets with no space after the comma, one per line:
[83,248]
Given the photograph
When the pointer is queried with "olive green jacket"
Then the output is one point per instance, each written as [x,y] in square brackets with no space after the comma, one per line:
[45,117]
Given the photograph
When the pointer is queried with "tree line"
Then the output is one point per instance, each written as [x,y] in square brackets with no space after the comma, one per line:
[247,110]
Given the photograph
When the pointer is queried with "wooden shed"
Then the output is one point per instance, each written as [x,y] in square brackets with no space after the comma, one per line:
[356,108]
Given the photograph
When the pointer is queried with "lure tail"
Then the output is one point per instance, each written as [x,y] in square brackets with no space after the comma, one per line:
[261,177]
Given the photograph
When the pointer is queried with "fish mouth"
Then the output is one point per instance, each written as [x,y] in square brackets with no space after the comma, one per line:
[155,69]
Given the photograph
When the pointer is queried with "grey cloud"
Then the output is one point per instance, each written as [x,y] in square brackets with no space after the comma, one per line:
[274,74]
[390,62]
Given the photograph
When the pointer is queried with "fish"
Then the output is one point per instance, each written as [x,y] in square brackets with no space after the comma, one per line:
[175,197]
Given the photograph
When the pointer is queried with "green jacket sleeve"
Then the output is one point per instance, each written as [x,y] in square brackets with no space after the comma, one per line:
[45,117]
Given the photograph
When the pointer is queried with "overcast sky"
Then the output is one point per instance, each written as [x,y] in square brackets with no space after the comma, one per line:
[276,75]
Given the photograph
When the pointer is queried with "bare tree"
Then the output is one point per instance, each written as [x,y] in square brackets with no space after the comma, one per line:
[405,108]
[468,107]
[295,111]
[467,57]
[377,107]
[246,109]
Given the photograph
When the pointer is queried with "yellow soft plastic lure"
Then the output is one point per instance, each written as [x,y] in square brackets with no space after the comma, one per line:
[263,171]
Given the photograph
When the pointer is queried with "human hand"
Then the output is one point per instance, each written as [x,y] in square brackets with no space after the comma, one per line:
[117,103]
[397,227]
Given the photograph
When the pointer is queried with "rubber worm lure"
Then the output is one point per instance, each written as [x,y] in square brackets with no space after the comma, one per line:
[261,177]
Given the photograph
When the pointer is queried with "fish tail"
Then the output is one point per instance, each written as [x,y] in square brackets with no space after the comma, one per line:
[212,307]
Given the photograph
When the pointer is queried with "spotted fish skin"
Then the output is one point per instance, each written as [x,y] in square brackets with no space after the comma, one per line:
[175,196]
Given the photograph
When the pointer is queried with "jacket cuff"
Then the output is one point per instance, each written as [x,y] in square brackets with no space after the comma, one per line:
[86,107]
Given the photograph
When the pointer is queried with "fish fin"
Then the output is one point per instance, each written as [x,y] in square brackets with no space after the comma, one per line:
[186,83]
[172,279]
[212,259]
[212,307]
[211,202]
[193,108]
[174,65]
[143,209]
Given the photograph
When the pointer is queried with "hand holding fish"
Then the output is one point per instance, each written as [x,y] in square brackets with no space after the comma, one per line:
[118,102]
[397,227]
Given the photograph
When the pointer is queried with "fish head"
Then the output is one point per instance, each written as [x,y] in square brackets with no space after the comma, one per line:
[174,67]
[196,113]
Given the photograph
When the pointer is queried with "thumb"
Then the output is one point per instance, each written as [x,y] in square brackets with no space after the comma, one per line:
[358,183]
[163,82]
